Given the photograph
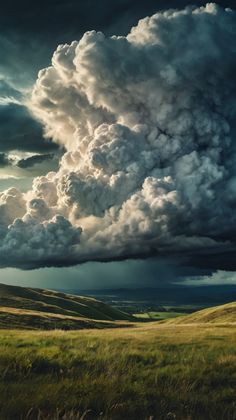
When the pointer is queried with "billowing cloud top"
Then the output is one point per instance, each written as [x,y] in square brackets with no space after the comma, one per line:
[148,124]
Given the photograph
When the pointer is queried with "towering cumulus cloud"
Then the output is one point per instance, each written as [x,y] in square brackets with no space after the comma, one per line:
[148,124]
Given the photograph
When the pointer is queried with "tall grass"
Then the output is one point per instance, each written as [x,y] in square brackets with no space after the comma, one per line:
[149,372]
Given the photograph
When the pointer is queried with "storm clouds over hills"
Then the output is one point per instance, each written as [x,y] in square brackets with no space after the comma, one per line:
[147,122]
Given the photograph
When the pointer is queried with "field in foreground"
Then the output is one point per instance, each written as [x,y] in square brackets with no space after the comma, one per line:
[152,371]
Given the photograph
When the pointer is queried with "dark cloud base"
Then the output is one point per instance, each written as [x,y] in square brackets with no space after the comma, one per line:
[183,266]
[34,160]
[4,161]
[20,131]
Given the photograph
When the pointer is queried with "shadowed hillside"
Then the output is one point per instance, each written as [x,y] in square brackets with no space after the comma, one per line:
[222,314]
[22,307]
[34,320]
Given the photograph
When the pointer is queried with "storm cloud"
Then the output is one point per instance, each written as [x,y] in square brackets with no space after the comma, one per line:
[20,131]
[4,161]
[34,160]
[148,124]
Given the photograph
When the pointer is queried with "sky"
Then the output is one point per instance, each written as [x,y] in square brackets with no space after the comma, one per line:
[117,143]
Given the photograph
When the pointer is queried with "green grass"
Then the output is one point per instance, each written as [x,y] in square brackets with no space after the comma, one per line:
[174,369]
[150,371]
[158,315]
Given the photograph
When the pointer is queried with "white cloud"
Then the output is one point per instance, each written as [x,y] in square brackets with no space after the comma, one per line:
[32,242]
[218,278]
[148,122]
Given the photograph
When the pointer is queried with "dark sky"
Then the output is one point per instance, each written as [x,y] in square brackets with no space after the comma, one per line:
[29,33]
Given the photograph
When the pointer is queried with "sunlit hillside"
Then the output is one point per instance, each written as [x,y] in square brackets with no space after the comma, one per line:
[222,314]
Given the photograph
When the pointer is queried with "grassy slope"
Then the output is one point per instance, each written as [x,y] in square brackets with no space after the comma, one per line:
[217,315]
[15,318]
[58,303]
[154,371]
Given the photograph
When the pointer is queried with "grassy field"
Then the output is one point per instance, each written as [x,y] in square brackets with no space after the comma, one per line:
[150,371]
[182,368]
[158,315]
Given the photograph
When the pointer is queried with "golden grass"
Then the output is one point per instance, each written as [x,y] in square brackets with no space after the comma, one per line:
[151,371]
[223,314]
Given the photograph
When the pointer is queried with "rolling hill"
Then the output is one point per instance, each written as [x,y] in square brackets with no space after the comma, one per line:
[22,307]
[222,314]
[30,308]
[162,369]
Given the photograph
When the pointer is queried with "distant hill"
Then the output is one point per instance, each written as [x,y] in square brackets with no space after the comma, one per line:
[42,308]
[222,314]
